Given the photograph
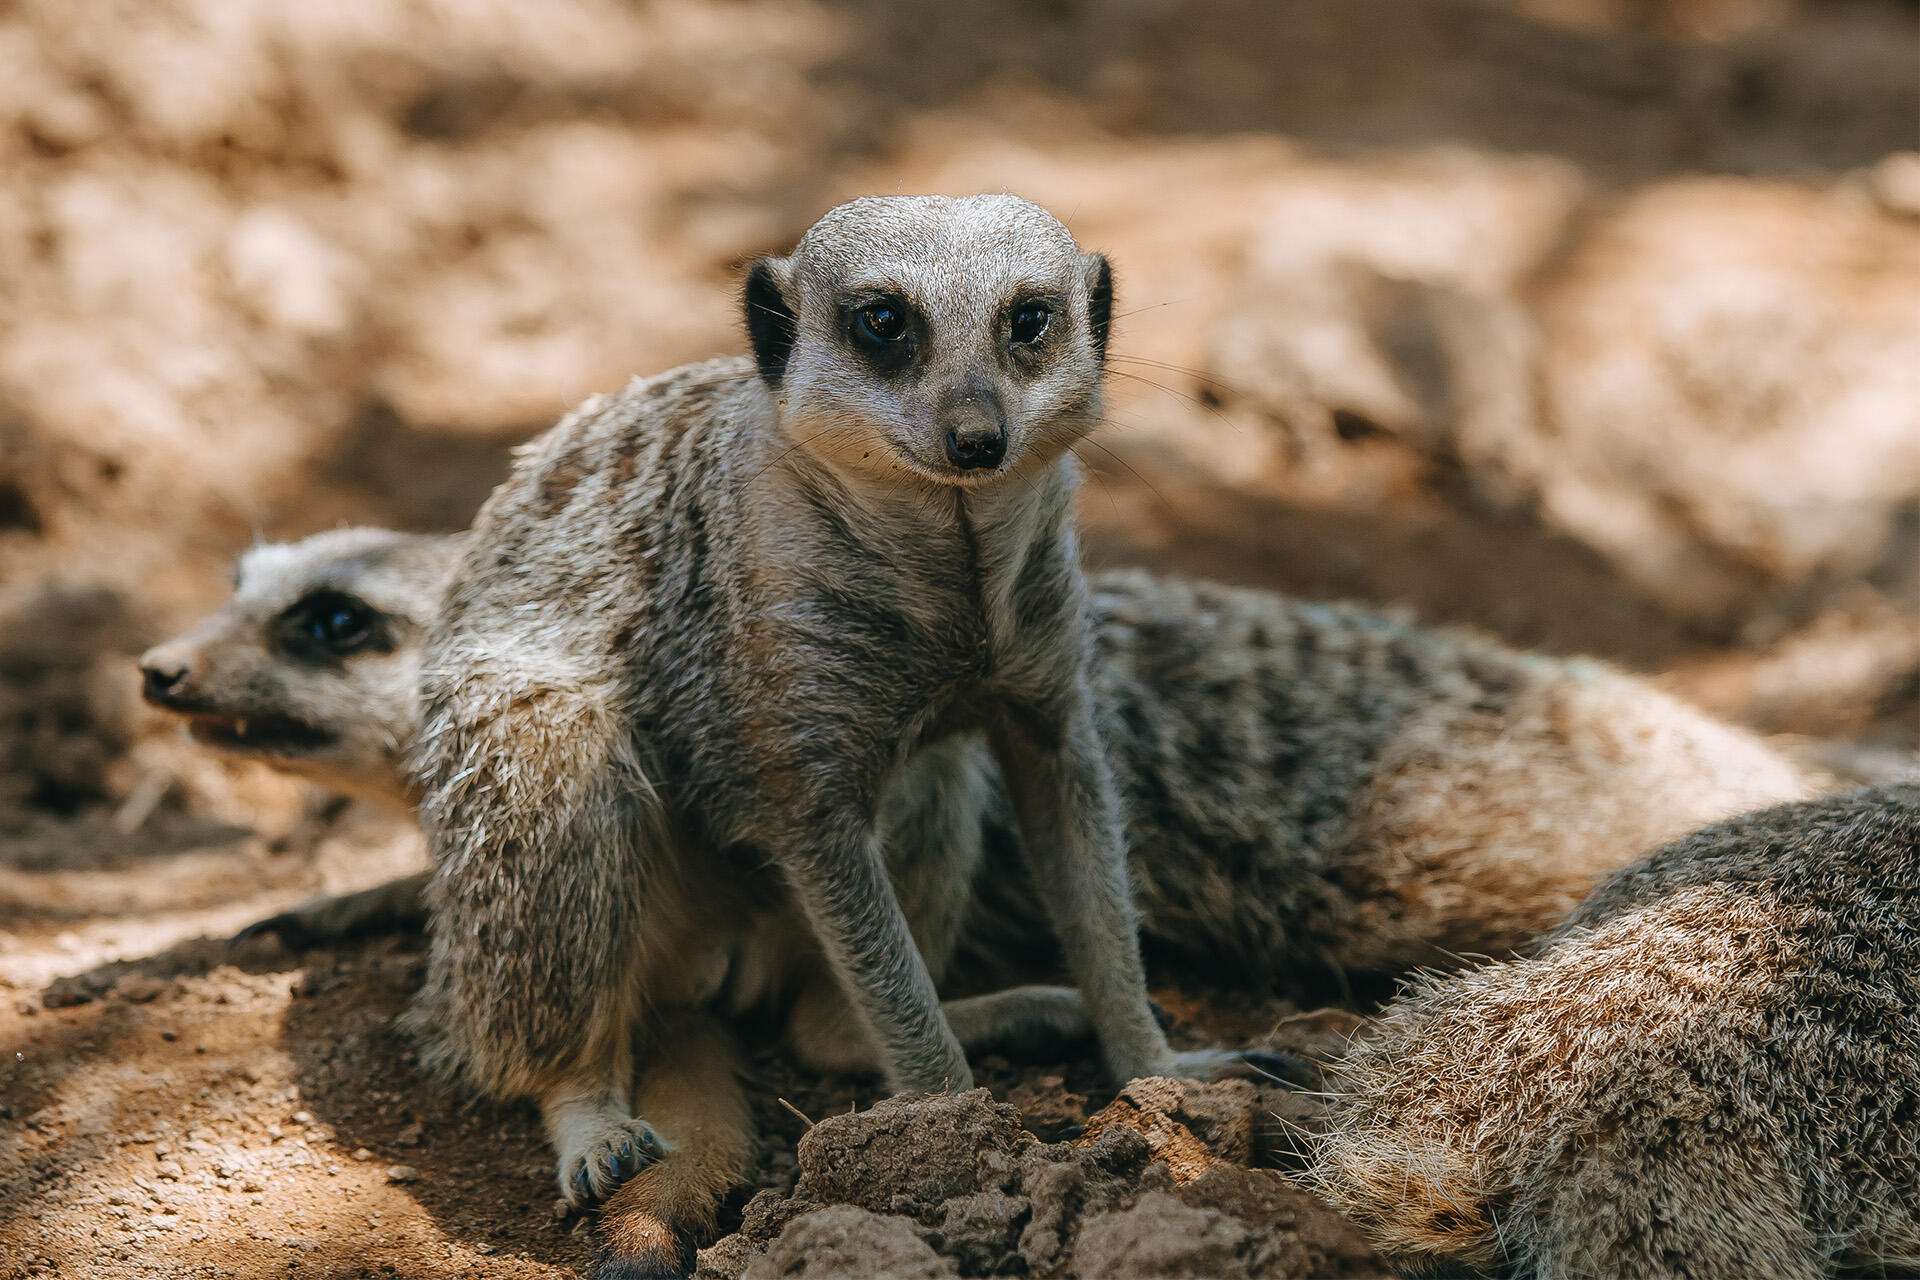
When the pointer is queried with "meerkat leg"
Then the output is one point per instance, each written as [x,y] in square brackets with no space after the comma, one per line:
[1069,818]
[393,907]
[842,885]
[826,1033]
[693,1095]
[541,902]
[1028,1022]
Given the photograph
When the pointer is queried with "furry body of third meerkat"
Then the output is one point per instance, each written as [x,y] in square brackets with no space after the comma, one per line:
[705,624]
[1710,1072]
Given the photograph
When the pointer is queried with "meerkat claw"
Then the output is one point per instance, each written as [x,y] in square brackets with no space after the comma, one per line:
[287,926]
[621,1153]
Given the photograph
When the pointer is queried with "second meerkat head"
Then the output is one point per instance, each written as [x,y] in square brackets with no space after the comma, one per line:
[312,666]
[958,338]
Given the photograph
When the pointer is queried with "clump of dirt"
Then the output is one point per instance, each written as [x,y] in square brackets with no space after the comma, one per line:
[957,1186]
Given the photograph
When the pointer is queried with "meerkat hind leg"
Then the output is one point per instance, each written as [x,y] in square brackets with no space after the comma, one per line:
[693,1094]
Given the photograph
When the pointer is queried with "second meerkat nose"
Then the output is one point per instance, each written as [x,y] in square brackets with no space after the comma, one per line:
[973,448]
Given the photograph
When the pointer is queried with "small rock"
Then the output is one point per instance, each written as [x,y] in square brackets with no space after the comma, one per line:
[303,1117]
[64,993]
[141,988]
[403,1173]
[411,1135]
[561,1209]
[25,1008]
[362,1154]
[170,1170]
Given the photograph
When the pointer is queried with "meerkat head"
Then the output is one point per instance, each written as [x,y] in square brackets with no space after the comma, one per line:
[959,340]
[312,667]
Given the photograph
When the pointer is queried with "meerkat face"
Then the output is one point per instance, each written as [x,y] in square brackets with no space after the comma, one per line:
[312,667]
[958,340]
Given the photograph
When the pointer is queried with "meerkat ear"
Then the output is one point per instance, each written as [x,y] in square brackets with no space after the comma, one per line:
[1099,299]
[770,322]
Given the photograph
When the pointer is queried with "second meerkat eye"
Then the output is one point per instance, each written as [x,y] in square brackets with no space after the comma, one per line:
[1030,323]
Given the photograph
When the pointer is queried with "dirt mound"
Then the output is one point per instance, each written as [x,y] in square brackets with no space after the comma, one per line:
[955,1186]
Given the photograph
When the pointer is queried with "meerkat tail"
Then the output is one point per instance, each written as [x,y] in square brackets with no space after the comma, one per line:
[693,1095]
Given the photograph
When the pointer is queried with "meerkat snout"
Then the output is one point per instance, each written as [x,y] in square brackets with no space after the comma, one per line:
[976,438]
[956,340]
[164,671]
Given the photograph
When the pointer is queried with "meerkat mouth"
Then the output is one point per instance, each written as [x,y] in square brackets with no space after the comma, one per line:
[269,733]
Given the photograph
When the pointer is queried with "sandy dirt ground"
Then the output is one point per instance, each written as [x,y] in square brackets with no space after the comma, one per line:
[1589,323]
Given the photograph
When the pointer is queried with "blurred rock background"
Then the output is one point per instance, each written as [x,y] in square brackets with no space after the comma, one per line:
[1592,323]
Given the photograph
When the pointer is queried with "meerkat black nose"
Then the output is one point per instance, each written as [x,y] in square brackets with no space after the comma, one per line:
[161,677]
[975,448]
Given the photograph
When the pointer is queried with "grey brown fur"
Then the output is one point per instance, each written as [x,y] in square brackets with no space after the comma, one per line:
[1712,1070]
[707,621]
[1310,788]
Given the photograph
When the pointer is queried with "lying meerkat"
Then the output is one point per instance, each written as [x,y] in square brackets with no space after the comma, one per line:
[1309,786]
[1712,1070]
[1310,789]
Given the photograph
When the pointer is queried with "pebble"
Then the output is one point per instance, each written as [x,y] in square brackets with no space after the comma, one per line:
[403,1173]
[362,1154]
[411,1135]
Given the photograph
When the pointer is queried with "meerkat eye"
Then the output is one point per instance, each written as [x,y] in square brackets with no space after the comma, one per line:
[338,623]
[1030,323]
[879,325]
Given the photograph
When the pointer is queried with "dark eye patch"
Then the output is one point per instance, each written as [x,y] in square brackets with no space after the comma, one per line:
[883,330]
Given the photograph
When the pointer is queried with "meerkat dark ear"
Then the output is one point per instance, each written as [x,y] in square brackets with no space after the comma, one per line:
[770,323]
[1099,299]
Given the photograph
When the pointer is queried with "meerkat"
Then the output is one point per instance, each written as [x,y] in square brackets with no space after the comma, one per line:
[1311,789]
[706,622]
[1712,1070]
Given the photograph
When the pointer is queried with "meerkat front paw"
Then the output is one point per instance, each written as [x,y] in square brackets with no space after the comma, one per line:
[1243,1064]
[616,1154]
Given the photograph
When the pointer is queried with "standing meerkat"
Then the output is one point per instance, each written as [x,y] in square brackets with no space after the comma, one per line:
[705,622]
[1711,1071]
